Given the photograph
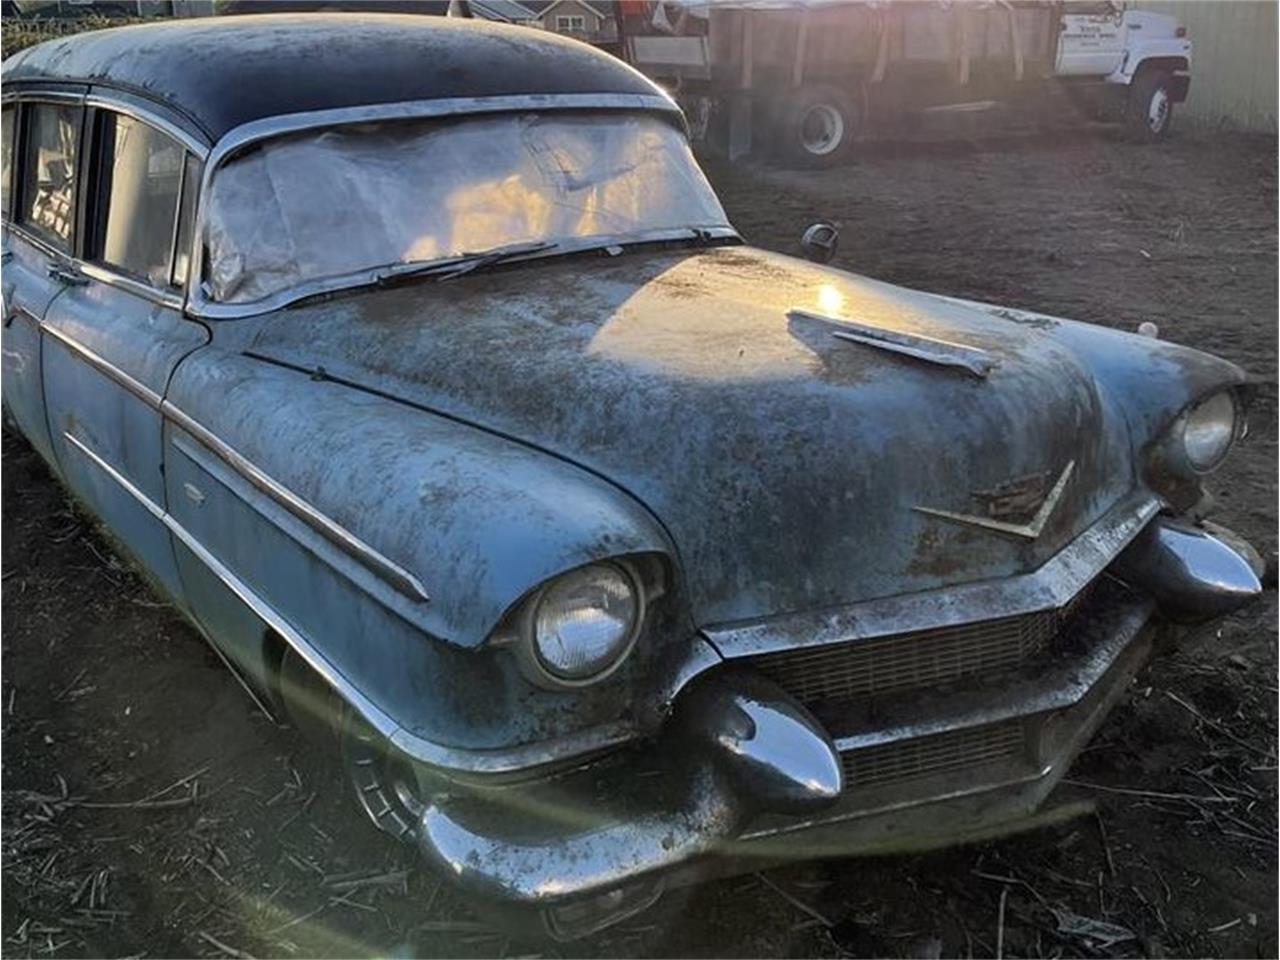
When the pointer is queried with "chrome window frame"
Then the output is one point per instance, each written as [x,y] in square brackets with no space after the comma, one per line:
[12,221]
[237,139]
[172,298]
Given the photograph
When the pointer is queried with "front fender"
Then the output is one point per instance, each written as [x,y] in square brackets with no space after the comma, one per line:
[478,520]
[1148,381]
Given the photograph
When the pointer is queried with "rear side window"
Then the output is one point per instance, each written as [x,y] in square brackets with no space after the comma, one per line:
[141,182]
[7,117]
[49,173]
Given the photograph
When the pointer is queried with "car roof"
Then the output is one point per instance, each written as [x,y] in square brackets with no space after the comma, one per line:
[220,72]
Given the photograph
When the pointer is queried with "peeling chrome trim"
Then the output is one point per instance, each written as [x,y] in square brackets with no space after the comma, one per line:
[110,370]
[339,536]
[1049,587]
[1030,530]
[929,349]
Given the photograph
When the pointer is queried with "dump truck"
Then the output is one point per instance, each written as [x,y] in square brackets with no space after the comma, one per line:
[806,80]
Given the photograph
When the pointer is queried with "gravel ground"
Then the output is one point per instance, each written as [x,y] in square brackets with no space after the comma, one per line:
[150,810]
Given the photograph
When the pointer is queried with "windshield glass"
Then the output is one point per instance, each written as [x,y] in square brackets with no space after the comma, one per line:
[333,202]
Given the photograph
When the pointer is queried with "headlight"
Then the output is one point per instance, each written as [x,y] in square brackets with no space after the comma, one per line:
[1208,430]
[585,622]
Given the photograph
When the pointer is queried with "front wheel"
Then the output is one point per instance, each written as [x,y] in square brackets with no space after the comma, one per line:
[384,784]
[1150,106]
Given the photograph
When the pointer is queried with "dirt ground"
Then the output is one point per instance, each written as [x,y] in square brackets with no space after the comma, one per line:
[150,810]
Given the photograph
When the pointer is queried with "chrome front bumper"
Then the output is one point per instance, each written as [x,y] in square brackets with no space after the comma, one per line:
[743,774]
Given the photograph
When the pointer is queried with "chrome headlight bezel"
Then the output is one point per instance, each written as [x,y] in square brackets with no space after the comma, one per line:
[533,661]
[1219,413]
[1170,471]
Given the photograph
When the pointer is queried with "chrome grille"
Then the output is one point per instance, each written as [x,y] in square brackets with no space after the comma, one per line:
[925,756]
[922,658]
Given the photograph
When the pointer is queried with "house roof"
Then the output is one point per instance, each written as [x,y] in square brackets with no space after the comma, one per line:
[508,10]
[221,72]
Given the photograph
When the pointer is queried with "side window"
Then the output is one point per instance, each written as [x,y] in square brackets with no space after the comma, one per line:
[49,172]
[7,117]
[186,221]
[140,181]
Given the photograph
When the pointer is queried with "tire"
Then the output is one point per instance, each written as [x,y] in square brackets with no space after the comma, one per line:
[817,127]
[1149,109]
[383,785]
[385,788]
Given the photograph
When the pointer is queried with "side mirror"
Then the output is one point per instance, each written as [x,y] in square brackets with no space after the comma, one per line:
[820,241]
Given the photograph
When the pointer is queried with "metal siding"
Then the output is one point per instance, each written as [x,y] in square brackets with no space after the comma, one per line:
[1233,67]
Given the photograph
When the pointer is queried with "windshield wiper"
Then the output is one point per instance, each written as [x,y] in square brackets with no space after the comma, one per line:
[446,268]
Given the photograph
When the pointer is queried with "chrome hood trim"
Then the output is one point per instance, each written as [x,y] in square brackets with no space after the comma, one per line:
[929,349]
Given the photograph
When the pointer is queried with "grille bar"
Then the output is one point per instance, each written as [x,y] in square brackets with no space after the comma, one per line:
[922,658]
[927,756]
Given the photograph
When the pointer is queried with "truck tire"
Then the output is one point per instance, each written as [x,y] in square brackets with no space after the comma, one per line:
[1149,110]
[817,127]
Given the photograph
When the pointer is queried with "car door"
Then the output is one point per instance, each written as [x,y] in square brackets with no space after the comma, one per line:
[114,336]
[41,155]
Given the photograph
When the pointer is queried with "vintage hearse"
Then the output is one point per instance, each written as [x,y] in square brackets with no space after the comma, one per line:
[416,361]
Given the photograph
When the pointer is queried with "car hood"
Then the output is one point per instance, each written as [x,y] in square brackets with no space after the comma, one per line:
[793,468]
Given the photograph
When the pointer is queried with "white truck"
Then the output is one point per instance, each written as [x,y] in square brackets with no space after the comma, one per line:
[804,80]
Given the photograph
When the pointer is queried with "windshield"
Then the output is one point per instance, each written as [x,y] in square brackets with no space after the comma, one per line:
[339,201]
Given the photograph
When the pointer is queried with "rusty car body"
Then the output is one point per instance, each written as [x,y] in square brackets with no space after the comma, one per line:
[417,363]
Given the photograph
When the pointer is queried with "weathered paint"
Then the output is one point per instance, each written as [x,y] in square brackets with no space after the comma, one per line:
[784,463]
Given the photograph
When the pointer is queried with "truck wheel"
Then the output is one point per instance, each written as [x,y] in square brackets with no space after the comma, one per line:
[817,127]
[1150,106]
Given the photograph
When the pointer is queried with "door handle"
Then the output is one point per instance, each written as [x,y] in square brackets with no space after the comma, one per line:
[67,276]
[5,256]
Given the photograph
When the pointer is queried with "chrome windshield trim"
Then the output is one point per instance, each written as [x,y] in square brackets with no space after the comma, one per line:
[105,367]
[390,571]
[248,133]
[1049,587]
[204,309]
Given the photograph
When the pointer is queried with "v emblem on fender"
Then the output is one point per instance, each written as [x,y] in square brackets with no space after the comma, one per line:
[1027,531]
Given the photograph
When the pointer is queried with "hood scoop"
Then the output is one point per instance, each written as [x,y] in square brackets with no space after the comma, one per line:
[976,362]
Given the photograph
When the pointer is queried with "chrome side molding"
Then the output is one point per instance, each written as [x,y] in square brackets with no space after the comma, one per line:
[449,760]
[396,575]
[393,573]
